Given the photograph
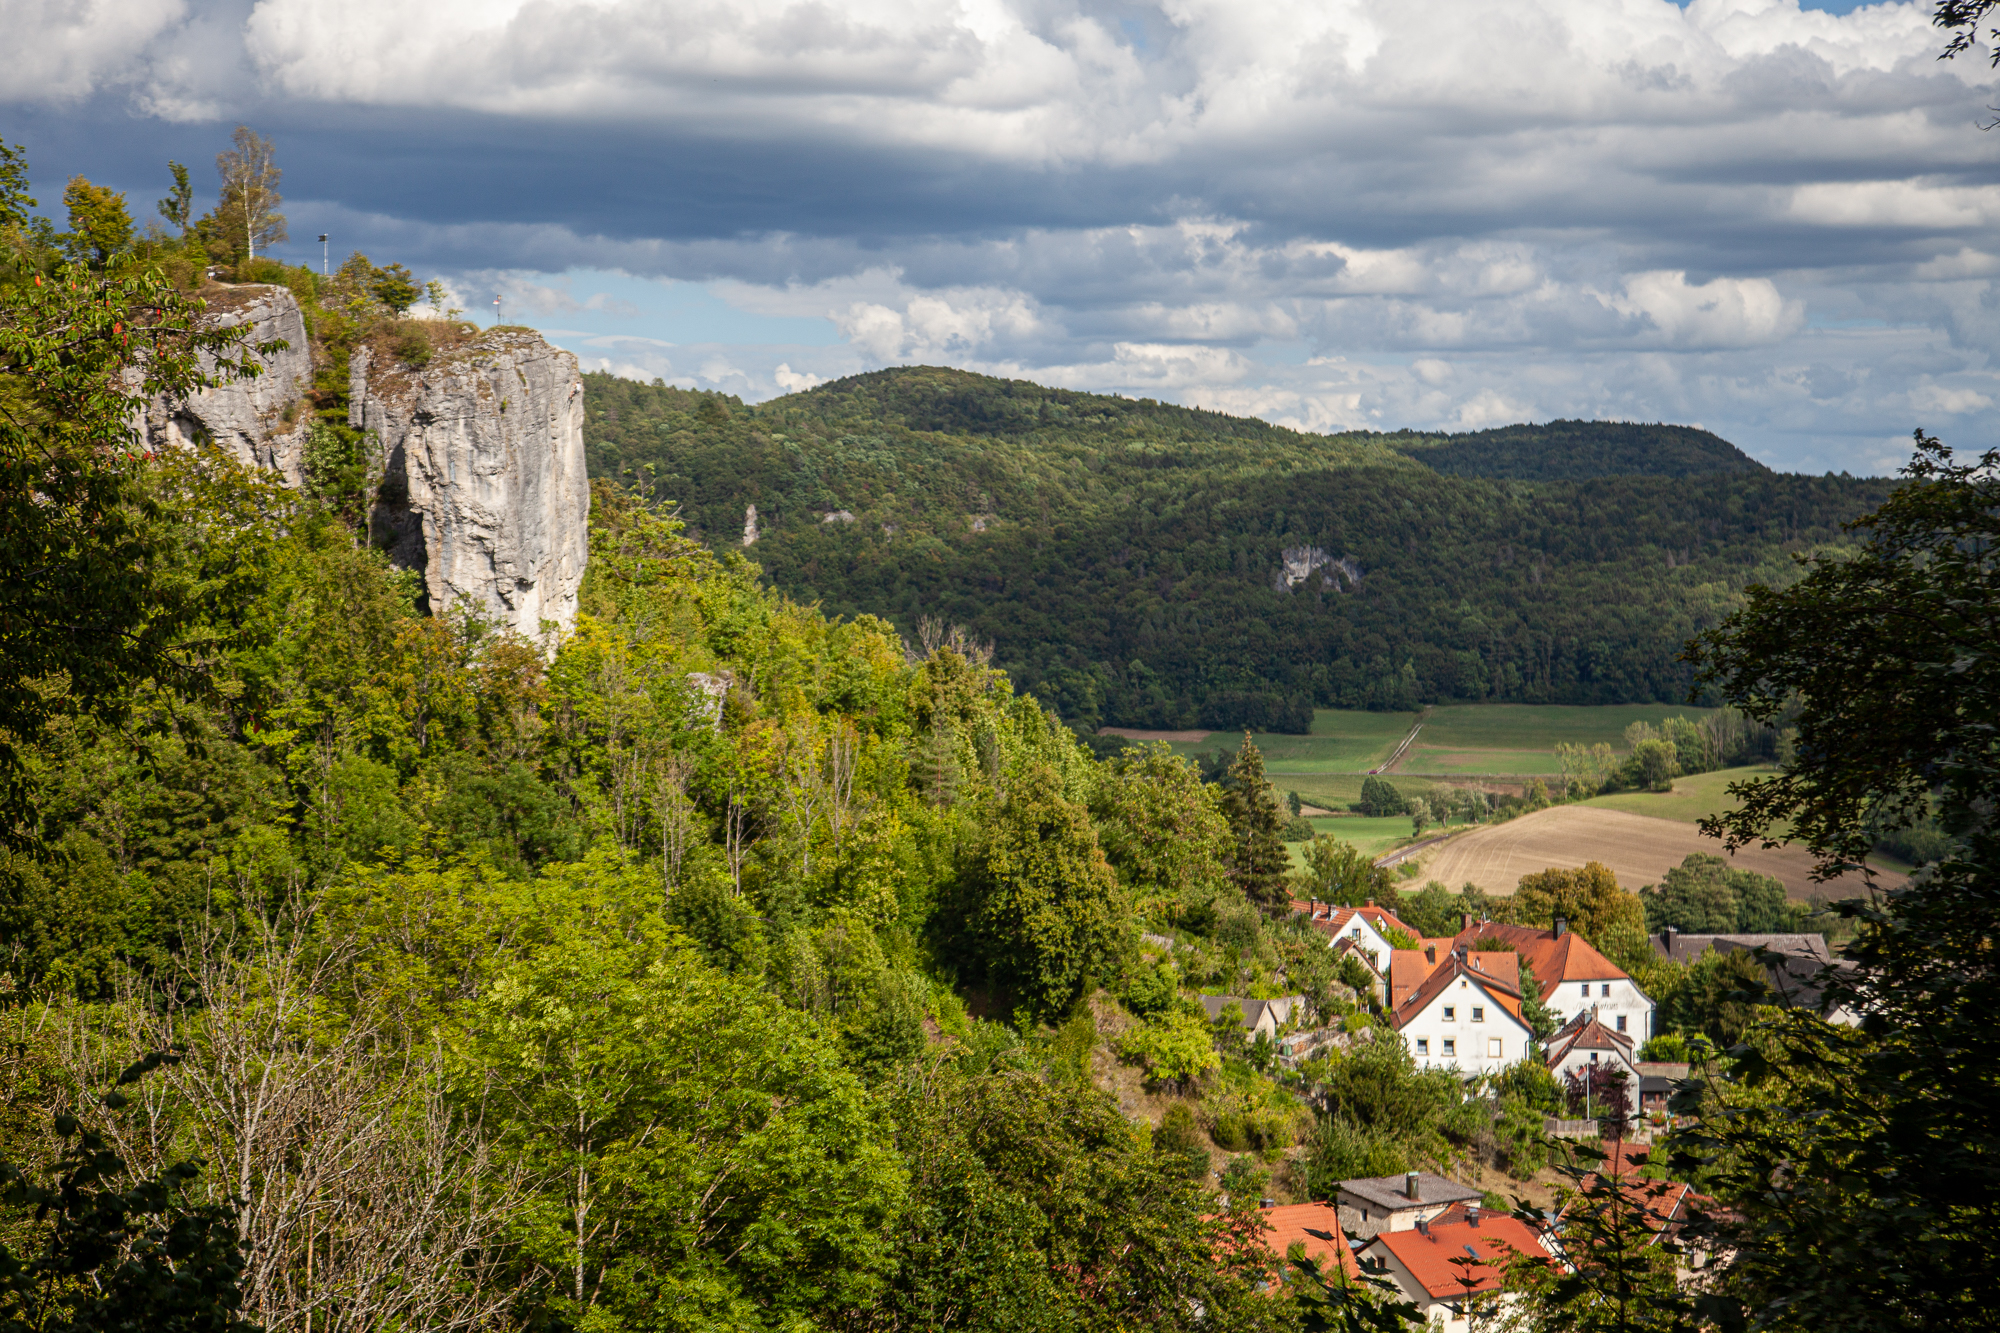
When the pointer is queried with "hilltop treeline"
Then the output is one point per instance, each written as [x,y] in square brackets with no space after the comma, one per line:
[1140,564]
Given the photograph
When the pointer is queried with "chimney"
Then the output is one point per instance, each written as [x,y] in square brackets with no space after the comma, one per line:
[1430,953]
[1423,1229]
[1412,1188]
[1465,921]
[1472,1214]
[1369,903]
[1562,926]
[1667,938]
[1267,1204]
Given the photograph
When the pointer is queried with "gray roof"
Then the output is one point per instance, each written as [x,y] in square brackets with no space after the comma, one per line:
[1253,1010]
[1387,1191]
[1794,973]
[1680,947]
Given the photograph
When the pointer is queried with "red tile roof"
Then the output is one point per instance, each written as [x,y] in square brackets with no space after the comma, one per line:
[1414,981]
[1429,1257]
[1334,919]
[1664,1202]
[1555,958]
[1317,1227]
[1589,1035]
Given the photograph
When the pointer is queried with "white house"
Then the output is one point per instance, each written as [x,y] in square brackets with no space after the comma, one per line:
[1574,977]
[1584,1041]
[1458,1010]
[1366,926]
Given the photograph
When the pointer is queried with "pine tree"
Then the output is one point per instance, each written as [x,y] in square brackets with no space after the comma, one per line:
[1256,824]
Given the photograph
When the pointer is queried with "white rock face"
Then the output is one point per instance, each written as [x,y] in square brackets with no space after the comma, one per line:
[1299,563]
[483,475]
[249,418]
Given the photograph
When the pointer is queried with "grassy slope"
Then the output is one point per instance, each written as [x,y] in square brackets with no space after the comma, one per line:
[1691,799]
[1520,739]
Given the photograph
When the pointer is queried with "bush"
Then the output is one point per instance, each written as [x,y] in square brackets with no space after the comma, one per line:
[1297,829]
[1178,1142]
[1176,1049]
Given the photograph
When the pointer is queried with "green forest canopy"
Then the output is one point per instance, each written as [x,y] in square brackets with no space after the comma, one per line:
[1143,564]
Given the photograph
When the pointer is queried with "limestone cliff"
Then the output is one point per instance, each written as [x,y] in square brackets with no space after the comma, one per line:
[483,474]
[477,456]
[261,422]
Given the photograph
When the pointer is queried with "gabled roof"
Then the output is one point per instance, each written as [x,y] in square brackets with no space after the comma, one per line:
[1428,1255]
[1317,1227]
[1555,958]
[1663,1202]
[1494,973]
[1334,920]
[1585,1033]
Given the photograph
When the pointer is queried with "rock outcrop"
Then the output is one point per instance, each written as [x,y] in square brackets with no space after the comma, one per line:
[483,475]
[477,456]
[261,422]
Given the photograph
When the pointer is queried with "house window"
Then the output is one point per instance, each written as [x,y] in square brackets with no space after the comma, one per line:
[1479,1013]
[1423,1045]
[1450,1013]
[1493,1047]
[1450,1046]
[1621,1022]
[1586,990]
[1604,990]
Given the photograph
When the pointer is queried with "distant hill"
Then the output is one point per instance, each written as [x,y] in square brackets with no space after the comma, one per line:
[1143,564]
[1579,451]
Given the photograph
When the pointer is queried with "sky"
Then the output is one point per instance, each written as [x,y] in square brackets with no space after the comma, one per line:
[1774,221]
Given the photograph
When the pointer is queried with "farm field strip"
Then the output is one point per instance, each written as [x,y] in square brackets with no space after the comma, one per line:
[1638,849]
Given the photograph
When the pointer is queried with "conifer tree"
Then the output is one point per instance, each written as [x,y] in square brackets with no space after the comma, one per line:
[1256,824]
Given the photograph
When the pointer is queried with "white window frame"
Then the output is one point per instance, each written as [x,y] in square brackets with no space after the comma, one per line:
[1451,1013]
[1494,1049]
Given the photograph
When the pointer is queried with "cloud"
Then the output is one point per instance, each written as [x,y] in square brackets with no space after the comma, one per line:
[1333,214]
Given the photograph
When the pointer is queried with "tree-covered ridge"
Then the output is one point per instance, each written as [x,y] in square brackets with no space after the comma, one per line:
[1130,564]
[1578,451]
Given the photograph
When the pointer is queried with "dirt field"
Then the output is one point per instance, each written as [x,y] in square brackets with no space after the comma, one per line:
[1637,848]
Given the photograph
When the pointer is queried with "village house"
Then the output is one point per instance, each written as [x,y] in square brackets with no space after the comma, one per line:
[1656,1084]
[1429,1264]
[1396,1203]
[1261,1018]
[1662,1203]
[1584,1042]
[1797,966]
[1367,926]
[1573,977]
[1458,1010]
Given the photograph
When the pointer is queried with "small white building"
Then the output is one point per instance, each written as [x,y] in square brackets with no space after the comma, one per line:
[1260,1017]
[1463,1012]
[1584,1042]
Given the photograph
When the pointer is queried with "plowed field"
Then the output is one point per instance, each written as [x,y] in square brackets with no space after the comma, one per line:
[1637,848]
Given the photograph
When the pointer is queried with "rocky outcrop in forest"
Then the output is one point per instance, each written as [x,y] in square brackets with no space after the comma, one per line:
[476,457]
[483,474]
[261,422]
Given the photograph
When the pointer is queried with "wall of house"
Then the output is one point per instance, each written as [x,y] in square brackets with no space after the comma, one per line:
[1471,1038]
[1614,998]
[1580,1059]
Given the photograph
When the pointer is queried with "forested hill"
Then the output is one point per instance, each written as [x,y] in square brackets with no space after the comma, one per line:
[1578,451]
[1140,563]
